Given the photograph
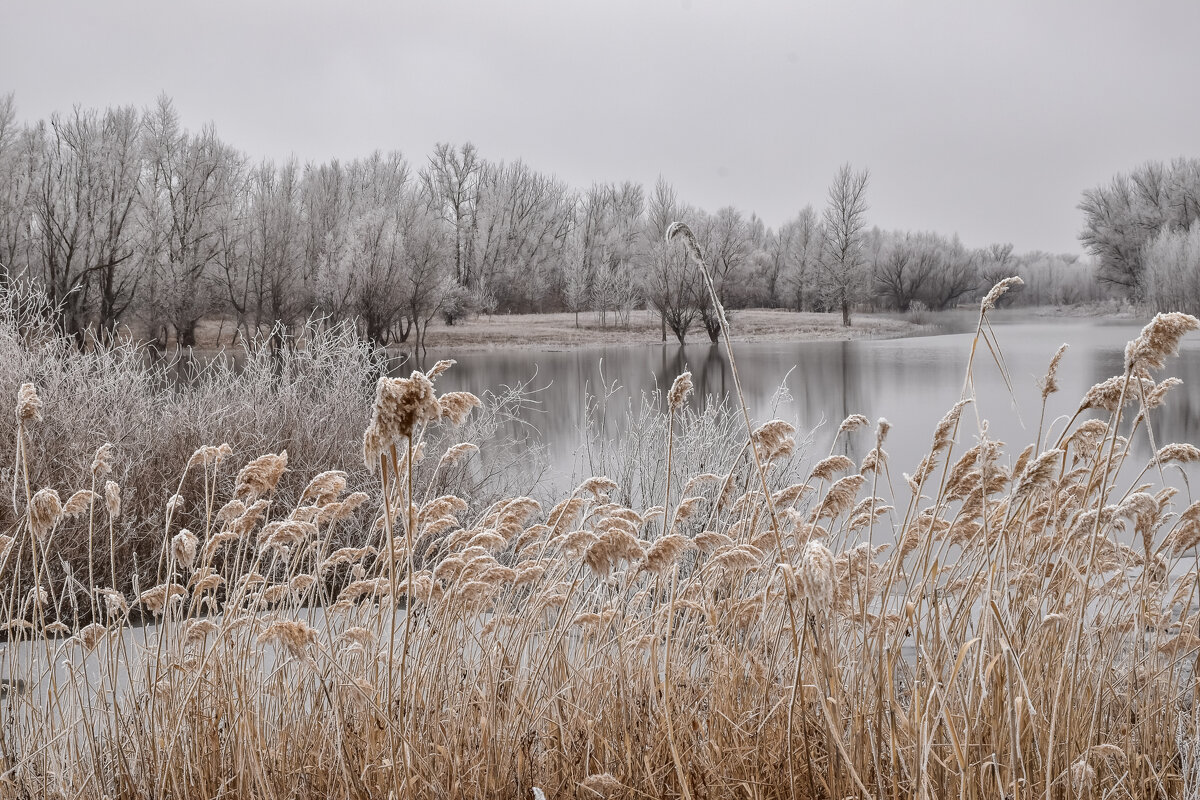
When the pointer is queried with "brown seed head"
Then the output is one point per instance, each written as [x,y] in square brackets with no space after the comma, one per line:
[158,598]
[45,509]
[601,785]
[681,389]
[295,636]
[665,552]
[79,502]
[1049,383]
[102,463]
[853,423]
[183,548]
[994,294]
[325,487]
[112,499]
[29,405]
[440,367]
[1159,339]
[401,404]
[815,575]
[260,476]
[455,406]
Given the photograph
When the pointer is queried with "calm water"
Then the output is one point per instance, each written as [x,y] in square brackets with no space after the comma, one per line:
[911,382]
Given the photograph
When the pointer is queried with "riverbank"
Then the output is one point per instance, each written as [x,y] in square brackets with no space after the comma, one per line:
[566,331]
[561,332]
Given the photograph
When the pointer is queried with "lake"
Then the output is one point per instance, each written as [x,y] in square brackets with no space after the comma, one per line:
[911,382]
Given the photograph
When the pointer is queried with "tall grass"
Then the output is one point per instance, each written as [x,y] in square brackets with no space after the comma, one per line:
[1006,623]
[309,398]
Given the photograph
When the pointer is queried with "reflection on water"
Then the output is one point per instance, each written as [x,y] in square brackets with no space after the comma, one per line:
[911,382]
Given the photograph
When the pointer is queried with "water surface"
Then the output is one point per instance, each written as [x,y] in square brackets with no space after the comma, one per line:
[911,382]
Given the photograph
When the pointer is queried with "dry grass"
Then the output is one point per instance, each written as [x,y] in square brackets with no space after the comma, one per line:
[1007,623]
[309,398]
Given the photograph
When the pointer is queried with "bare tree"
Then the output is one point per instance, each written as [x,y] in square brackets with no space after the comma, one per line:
[190,195]
[274,291]
[669,283]
[451,181]
[576,288]
[427,282]
[724,239]
[842,266]
[899,271]
[20,158]
[804,239]
[1172,270]
[1122,217]
[520,222]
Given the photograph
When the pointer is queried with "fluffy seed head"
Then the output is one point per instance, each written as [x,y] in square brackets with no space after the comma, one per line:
[1038,474]
[260,476]
[102,463]
[91,636]
[1108,394]
[183,548]
[827,467]
[79,502]
[1159,339]
[440,367]
[114,602]
[29,405]
[455,406]
[45,509]
[158,598]
[401,404]
[853,423]
[1180,451]
[944,432]
[295,636]
[681,388]
[995,293]
[112,499]
[664,552]
[815,575]
[325,488]
[601,785]
[1049,383]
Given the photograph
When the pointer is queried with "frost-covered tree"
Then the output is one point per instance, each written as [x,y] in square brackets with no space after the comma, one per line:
[670,284]
[804,239]
[1122,217]
[263,251]
[189,200]
[427,284]
[724,239]
[451,181]
[519,224]
[1172,270]
[842,267]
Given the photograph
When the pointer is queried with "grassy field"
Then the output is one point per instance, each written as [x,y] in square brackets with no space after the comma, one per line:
[1012,621]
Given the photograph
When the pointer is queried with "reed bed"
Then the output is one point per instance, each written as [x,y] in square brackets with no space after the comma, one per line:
[1000,623]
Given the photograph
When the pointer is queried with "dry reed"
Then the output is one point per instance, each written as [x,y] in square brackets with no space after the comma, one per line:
[1021,627]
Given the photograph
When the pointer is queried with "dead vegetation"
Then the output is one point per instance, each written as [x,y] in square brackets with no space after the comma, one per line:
[1009,622]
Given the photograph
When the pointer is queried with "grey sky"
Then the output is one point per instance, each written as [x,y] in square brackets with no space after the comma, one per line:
[985,119]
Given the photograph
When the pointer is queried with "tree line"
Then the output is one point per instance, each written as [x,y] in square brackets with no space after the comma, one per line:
[1144,229]
[122,217]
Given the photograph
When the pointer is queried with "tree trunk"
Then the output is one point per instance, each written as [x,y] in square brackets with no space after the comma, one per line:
[185,333]
[845,314]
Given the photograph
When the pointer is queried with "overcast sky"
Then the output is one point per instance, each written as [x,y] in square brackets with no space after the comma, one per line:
[985,119]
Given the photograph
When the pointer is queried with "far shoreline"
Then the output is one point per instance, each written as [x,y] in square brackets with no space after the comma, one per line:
[558,332]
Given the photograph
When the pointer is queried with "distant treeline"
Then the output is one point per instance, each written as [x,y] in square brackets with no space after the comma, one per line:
[124,218]
[1144,229]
